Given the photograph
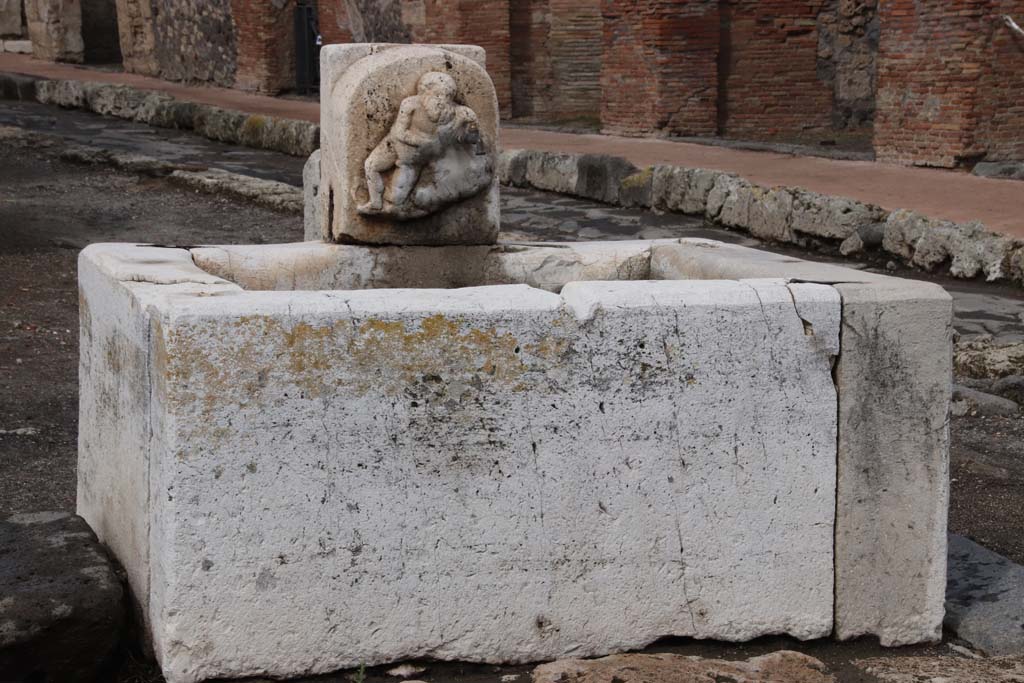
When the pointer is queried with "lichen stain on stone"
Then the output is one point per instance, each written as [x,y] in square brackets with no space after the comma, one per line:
[438,346]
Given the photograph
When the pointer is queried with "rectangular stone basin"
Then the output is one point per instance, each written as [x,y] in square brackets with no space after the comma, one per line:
[310,457]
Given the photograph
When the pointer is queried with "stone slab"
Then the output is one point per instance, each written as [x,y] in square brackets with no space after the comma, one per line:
[21,47]
[895,376]
[777,667]
[985,598]
[376,128]
[494,473]
[311,199]
[61,601]
[947,669]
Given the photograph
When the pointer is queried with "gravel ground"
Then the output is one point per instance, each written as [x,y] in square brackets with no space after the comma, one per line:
[49,209]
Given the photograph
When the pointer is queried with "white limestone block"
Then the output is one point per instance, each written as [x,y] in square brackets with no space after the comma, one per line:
[21,47]
[311,198]
[324,479]
[409,143]
[316,265]
[894,376]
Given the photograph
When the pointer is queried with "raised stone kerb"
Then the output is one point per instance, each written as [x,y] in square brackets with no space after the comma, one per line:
[496,473]
[409,146]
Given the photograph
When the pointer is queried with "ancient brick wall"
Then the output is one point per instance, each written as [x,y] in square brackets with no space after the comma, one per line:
[265,32]
[1000,108]
[556,58]
[659,69]
[949,83]
[770,83]
[479,22]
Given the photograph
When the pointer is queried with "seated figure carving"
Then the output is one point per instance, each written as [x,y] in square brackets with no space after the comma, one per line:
[433,155]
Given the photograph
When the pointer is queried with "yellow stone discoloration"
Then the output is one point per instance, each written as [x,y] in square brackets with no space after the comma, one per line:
[228,370]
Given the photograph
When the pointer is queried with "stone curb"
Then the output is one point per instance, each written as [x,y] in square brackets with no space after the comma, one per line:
[269,193]
[779,214]
[289,136]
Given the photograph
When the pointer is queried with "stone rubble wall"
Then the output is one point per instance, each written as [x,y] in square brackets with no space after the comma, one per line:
[55,27]
[780,214]
[196,41]
[299,138]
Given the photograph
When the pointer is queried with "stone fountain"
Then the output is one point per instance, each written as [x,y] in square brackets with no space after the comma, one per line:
[406,440]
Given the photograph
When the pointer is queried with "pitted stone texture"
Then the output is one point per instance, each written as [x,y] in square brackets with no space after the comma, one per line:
[61,602]
[944,669]
[311,198]
[777,667]
[492,473]
[315,266]
[363,88]
[894,377]
[55,27]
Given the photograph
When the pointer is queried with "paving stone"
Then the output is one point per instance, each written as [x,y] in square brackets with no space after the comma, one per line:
[777,667]
[1013,170]
[945,669]
[967,401]
[1011,387]
[61,602]
[985,598]
[311,198]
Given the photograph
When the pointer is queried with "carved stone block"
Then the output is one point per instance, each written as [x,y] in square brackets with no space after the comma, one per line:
[409,136]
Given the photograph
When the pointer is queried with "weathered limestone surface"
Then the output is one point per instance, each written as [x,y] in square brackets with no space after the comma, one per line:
[315,266]
[61,601]
[895,379]
[491,473]
[894,376]
[777,667]
[311,198]
[55,27]
[409,144]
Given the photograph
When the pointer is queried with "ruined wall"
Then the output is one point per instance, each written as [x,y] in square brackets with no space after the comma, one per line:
[848,34]
[99,32]
[949,83]
[659,67]
[1000,114]
[479,22]
[265,32]
[770,83]
[556,58]
[247,44]
[55,28]
[195,41]
[137,37]
[11,19]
